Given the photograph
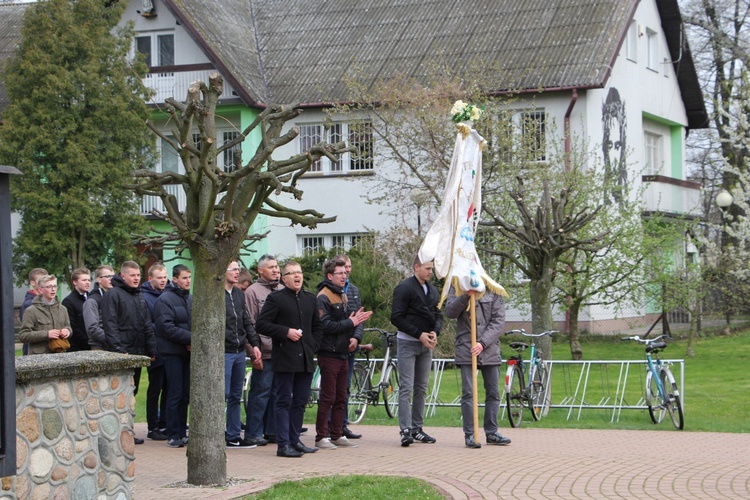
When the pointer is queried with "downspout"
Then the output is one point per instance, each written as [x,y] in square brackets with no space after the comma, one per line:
[568,166]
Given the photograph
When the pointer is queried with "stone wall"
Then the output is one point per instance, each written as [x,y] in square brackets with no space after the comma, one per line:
[74,417]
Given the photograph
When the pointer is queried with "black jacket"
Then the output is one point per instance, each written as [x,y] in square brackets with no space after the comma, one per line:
[93,318]
[285,309]
[239,329]
[172,312]
[126,321]
[333,306]
[79,340]
[413,312]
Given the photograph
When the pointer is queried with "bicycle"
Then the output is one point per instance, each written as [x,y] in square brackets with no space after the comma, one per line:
[363,392]
[517,393]
[662,394]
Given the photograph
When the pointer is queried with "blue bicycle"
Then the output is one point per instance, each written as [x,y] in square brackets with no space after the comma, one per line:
[662,394]
[519,394]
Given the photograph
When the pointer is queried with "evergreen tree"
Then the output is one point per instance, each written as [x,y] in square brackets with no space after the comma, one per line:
[76,129]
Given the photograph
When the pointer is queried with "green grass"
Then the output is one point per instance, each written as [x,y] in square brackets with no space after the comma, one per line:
[347,487]
[717,388]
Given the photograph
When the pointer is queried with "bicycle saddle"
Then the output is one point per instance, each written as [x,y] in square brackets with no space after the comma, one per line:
[366,347]
[518,345]
[656,347]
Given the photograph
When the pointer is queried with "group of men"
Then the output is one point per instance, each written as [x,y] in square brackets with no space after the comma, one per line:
[281,328]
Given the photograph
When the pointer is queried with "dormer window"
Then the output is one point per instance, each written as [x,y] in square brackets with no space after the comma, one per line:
[157,47]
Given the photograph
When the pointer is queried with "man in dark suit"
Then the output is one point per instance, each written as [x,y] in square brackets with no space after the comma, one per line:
[418,319]
[290,317]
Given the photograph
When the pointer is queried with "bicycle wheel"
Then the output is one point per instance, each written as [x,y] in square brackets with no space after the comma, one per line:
[312,400]
[358,390]
[654,401]
[673,403]
[538,399]
[514,398]
[390,391]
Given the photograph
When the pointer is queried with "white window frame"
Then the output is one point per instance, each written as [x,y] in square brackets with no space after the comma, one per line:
[534,122]
[156,58]
[360,161]
[313,243]
[631,42]
[652,50]
[653,148]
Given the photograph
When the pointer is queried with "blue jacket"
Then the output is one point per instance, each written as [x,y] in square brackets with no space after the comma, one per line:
[172,312]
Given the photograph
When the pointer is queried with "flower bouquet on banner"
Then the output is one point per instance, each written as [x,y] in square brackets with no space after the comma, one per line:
[450,242]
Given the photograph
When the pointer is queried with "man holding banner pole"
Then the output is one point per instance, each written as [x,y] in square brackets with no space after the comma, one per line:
[449,243]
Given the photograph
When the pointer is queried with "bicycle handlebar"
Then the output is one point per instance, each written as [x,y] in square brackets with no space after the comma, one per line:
[647,341]
[380,331]
[521,331]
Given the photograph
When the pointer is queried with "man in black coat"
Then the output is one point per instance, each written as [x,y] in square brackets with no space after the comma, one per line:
[418,319]
[172,312]
[290,317]
[79,339]
[126,320]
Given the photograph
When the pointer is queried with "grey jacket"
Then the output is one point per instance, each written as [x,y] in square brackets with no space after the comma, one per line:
[38,320]
[490,325]
[93,319]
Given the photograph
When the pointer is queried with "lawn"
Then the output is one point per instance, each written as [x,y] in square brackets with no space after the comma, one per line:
[717,395]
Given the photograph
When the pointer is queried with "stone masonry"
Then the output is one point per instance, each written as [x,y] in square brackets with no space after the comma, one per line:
[74,418]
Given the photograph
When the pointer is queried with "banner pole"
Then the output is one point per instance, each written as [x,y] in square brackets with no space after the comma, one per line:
[474,388]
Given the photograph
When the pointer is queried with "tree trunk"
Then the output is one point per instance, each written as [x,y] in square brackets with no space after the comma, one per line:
[690,351]
[541,311]
[207,461]
[576,352]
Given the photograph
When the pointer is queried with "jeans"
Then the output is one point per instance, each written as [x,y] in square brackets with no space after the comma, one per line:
[156,408]
[261,401]
[414,362]
[177,369]
[333,394]
[292,391]
[234,379]
[491,378]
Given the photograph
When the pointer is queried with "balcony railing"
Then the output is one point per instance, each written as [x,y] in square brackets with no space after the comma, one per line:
[669,195]
[150,203]
[173,81]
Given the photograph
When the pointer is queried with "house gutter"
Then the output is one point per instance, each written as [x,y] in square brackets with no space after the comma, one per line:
[566,121]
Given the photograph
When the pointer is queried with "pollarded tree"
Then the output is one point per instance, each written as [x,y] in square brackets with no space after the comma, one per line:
[74,127]
[220,209]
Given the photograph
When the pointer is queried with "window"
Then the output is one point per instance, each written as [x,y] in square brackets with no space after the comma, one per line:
[631,42]
[533,138]
[338,242]
[653,150]
[359,137]
[170,159]
[231,155]
[652,52]
[312,244]
[158,49]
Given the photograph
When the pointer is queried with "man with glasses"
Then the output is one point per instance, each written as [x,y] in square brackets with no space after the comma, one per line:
[33,291]
[92,308]
[45,319]
[239,336]
[290,317]
[340,337]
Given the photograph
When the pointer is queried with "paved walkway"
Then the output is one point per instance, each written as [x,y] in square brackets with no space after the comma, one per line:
[540,463]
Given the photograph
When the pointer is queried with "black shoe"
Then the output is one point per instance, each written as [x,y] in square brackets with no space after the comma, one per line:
[406,438]
[239,443]
[304,449]
[156,435]
[303,431]
[270,438]
[351,435]
[288,451]
[422,436]
[175,443]
[497,438]
[470,443]
[256,441]
[137,440]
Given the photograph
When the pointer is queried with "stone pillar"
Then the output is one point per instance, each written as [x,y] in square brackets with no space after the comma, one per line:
[74,417]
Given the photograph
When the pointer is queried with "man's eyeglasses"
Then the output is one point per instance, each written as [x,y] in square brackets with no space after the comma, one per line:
[50,287]
[293,273]
[107,276]
[339,273]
